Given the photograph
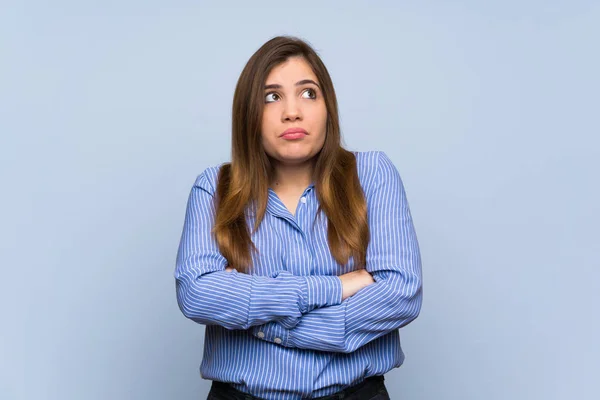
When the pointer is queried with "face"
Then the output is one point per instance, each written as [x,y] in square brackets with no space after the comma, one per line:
[295,116]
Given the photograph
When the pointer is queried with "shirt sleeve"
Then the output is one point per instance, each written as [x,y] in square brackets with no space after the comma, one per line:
[393,301]
[209,295]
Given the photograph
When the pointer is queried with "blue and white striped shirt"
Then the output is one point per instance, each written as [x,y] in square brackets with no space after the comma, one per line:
[282,331]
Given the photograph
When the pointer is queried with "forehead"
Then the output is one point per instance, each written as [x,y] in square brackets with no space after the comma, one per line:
[291,71]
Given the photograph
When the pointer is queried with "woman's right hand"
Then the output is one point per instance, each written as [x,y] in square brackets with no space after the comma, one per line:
[353,281]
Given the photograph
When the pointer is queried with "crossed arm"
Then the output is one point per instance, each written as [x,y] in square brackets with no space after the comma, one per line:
[326,313]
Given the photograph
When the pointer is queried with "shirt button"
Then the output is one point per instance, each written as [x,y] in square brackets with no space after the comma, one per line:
[277,340]
[303,200]
[261,334]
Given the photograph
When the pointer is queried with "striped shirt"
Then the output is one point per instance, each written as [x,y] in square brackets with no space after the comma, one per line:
[282,331]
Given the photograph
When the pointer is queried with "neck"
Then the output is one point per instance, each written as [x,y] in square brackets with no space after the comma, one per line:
[292,177]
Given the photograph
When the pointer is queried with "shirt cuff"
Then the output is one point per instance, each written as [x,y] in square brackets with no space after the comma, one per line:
[320,291]
[272,332]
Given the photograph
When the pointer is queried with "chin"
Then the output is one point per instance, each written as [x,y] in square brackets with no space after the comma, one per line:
[294,158]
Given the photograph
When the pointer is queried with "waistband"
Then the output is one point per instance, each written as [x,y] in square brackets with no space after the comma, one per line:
[367,388]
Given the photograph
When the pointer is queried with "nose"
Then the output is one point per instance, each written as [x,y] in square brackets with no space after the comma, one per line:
[291,111]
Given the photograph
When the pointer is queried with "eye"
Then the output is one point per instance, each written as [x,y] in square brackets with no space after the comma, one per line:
[271,97]
[312,94]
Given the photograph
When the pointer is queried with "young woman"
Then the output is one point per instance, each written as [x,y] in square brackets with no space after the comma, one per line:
[299,256]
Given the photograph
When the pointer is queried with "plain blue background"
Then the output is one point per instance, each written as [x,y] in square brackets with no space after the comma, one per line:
[490,111]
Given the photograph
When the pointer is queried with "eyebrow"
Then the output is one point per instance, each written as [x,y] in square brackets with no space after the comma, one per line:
[299,83]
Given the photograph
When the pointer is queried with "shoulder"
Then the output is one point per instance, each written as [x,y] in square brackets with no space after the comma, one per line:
[374,168]
[207,180]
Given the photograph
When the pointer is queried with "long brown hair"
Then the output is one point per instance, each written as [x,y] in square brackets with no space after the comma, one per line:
[244,182]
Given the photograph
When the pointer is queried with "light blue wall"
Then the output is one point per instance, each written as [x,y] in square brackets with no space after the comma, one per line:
[490,110]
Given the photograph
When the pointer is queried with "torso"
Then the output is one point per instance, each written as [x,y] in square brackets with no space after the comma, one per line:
[293,237]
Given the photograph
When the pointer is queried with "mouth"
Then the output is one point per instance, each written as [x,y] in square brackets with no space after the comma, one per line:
[293,133]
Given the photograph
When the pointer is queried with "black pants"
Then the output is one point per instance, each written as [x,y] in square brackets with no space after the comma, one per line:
[371,388]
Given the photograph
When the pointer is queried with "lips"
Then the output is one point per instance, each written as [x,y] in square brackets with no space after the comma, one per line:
[293,133]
